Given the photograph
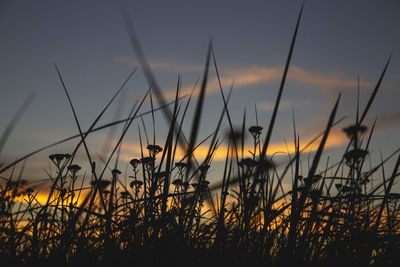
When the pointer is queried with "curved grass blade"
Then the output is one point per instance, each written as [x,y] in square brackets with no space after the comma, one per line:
[10,126]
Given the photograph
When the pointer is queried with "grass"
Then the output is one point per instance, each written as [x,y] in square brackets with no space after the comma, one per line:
[168,213]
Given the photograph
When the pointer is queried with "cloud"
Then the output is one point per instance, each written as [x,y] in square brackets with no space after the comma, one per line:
[386,121]
[244,76]
[257,74]
[325,81]
[284,105]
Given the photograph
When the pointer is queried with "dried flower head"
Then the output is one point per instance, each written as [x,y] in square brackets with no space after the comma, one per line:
[57,158]
[255,131]
[74,169]
[154,149]
[181,164]
[134,163]
[354,156]
[147,160]
[136,183]
[247,162]
[115,173]
[354,130]
[29,191]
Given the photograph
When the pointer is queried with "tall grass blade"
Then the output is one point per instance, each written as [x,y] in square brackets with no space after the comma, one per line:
[278,99]
[198,112]
[10,126]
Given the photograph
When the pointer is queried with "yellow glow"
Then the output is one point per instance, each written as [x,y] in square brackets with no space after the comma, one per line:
[335,139]
[42,197]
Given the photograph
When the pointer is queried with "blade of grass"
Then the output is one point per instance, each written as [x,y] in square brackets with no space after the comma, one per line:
[278,99]
[197,115]
[10,126]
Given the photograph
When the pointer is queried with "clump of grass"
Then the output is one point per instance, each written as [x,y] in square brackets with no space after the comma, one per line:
[167,213]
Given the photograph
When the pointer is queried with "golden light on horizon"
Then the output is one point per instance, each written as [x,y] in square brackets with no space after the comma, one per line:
[335,139]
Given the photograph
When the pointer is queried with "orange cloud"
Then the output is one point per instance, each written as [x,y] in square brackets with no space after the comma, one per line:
[243,76]
[284,105]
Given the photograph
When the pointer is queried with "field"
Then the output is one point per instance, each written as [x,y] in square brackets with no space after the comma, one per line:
[168,213]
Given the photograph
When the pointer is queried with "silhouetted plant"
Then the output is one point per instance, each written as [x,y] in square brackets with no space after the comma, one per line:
[171,211]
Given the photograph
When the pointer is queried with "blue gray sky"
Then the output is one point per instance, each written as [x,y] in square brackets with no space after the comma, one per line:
[337,41]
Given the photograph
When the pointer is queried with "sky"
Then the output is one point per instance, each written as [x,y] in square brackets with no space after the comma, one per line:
[337,42]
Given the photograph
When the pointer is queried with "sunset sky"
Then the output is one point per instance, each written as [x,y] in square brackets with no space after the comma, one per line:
[88,40]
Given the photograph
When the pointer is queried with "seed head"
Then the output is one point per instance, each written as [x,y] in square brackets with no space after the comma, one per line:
[57,158]
[115,173]
[154,149]
[255,131]
[134,163]
[135,183]
[74,168]
[355,129]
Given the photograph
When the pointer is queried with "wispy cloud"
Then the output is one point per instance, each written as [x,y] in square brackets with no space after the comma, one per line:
[258,74]
[284,105]
[387,121]
[245,76]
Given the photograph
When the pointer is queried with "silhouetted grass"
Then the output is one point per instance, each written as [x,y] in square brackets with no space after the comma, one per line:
[167,213]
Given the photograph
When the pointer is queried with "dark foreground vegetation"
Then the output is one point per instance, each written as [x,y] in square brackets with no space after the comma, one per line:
[168,213]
